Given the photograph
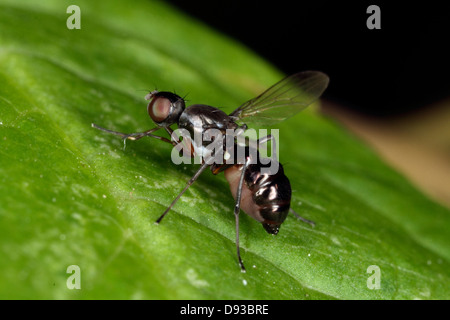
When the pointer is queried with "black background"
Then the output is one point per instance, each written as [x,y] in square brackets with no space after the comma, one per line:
[400,68]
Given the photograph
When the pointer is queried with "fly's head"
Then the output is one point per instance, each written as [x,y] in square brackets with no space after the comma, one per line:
[165,108]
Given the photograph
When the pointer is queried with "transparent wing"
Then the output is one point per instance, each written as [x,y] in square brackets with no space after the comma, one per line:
[283,100]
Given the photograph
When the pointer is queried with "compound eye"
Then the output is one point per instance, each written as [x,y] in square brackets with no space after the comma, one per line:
[159,109]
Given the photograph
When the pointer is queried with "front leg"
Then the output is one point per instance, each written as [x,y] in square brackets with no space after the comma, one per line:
[135,135]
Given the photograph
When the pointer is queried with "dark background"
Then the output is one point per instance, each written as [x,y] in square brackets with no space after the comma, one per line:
[400,68]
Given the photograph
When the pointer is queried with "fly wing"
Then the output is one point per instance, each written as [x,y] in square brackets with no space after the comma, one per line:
[283,100]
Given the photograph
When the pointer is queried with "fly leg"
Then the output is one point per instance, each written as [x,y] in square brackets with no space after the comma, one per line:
[237,209]
[189,183]
[312,223]
[135,135]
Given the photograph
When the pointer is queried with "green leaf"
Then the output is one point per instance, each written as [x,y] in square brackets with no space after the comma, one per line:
[70,194]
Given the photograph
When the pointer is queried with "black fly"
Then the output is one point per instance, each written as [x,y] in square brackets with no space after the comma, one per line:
[264,196]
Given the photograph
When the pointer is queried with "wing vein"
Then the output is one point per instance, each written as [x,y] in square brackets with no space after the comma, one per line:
[284,99]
